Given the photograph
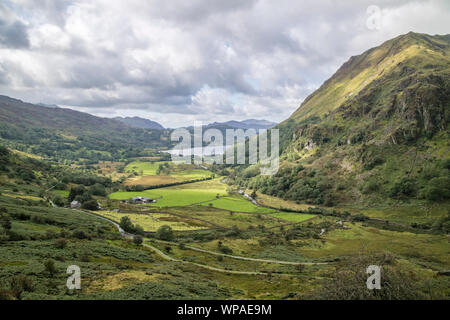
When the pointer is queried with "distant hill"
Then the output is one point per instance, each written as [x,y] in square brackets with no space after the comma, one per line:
[63,133]
[245,124]
[138,122]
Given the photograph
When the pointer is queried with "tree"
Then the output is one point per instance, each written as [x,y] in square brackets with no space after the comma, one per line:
[137,239]
[98,190]
[90,205]
[165,233]
[126,224]
[76,191]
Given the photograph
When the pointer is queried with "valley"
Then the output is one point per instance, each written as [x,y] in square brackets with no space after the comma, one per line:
[363,180]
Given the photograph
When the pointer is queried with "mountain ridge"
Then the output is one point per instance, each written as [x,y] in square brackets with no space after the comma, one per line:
[375,132]
[138,122]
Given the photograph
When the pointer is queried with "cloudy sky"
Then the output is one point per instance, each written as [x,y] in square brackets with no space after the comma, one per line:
[176,61]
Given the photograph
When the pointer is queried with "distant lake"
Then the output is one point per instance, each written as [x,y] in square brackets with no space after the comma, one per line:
[198,151]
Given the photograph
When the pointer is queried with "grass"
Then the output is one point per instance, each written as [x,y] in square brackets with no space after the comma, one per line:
[237,203]
[147,173]
[224,219]
[22,196]
[292,216]
[152,222]
[169,197]
[342,242]
[181,172]
[62,193]
[183,195]
[148,168]
[279,203]
[151,180]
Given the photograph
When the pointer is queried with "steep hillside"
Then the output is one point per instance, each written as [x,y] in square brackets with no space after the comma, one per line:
[65,134]
[377,130]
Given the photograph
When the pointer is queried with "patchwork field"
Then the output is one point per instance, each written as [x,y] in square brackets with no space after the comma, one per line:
[182,195]
[147,173]
[200,205]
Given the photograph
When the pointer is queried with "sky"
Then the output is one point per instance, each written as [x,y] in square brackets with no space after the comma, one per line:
[178,61]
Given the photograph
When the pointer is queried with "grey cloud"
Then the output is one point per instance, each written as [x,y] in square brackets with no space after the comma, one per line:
[13,34]
[199,58]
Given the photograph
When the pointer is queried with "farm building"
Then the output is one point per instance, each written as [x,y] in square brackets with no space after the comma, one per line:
[141,200]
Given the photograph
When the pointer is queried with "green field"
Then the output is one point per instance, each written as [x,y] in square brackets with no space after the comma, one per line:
[237,203]
[62,193]
[181,171]
[148,168]
[175,196]
[293,216]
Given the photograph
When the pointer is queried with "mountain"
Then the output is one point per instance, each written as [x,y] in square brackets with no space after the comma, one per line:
[66,134]
[138,122]
[376,131]
[245,124]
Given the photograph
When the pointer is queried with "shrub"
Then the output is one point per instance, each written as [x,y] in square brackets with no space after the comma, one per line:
[61,243]
[50,267]
[137,239]
[98,190]
[437,189]
[127,226]
[403,187]
[5,222]
[370,186]
[84,257]
[225,249]
[80,234]
[165,232]
[19,284]
[359,217]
